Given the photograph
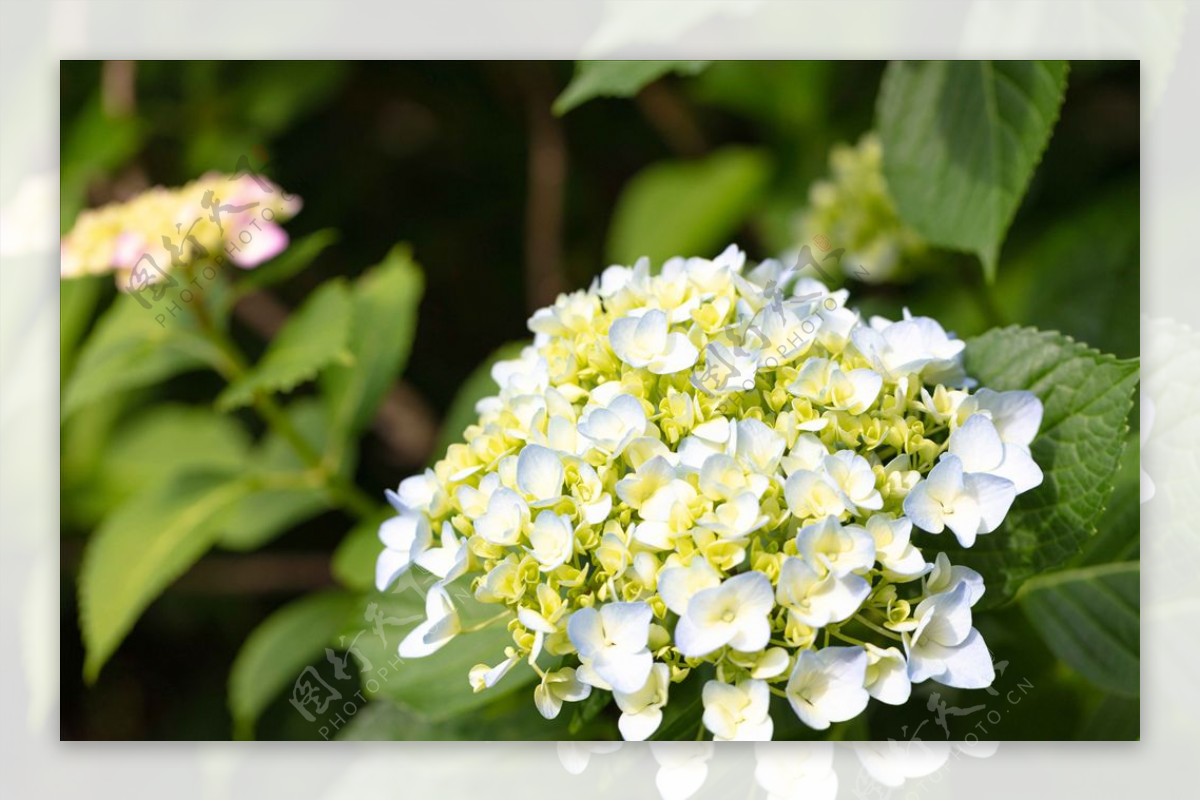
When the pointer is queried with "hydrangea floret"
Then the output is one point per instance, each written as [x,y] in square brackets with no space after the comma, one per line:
[720,471]
[218,217]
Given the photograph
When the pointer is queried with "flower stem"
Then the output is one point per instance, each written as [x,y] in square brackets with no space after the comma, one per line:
[486,623]
[878,629]
[344,494]
[847,638]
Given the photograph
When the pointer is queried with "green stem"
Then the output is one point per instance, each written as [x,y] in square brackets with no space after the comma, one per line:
[344,494]
[847,638]
[483,625]
[878,629]
[987,303]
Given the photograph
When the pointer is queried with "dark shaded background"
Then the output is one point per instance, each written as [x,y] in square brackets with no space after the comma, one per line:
[462,160]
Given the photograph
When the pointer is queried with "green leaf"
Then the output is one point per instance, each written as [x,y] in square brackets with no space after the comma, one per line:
[1114,718]
[354,560]
[295,259]
[1118,530]
[271,511]
[166,440]
[513,717]
[77,301]
[477,386]
[143,547]
[381,338]
[617,79]
[961,140]
[687,208]
[131,348]
[436,686]
[272,94]
[1090,619]
[279,648]
[1087,396]
[313,338]
[787,97]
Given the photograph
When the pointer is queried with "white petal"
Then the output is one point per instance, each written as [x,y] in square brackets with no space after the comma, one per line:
[413,646]
[945,480]
[977,443]
[406,533]
[950,616]
[622,335]
[586,631]
[678,584]
[965,519]
[773,662]
[680,354]
[626,672]
[759,448]
[540,473]
[631,413]
[923,510]
[639,727]
[994,496]
[753,591]
[390,566]
[627,625]
[694,641]
[1019,468]
[891,684]
[752,635]
[835,598]
[534,621]
[547,703]
[967,666]
[1017,414]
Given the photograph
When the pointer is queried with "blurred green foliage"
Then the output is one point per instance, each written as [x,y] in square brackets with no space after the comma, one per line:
[264,508]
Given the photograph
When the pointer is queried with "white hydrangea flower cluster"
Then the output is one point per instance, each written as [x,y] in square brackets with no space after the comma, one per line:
[719,471]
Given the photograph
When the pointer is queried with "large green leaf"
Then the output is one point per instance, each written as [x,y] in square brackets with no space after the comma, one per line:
[961,140]
[314,338]
[298,256]
[1087,397]
[513,717]
[381,338]
[436,686]
[289,494]
[130,347]
[617,79]
[687,208]
[1115,717]
[166,440]
[1089,618]
[77,300]
[477,386]
[143,547]
[279,648]
[1118,530]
